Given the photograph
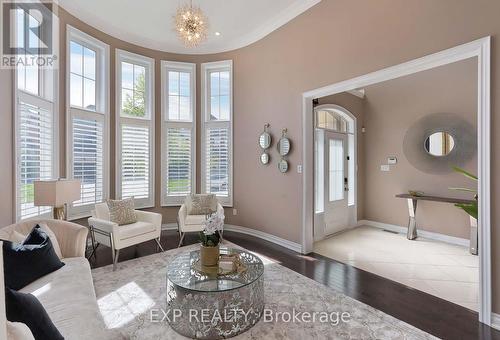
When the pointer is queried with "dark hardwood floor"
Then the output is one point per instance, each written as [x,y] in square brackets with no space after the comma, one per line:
[426,312]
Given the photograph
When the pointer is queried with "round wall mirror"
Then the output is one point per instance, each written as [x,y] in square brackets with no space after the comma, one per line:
[439,144]
[284,146]
[283,166]
[264,158]
[265,140]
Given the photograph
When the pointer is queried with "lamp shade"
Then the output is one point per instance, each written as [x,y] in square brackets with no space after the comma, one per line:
[56,193]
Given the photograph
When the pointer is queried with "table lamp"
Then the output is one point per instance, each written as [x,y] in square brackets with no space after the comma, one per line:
[57,194]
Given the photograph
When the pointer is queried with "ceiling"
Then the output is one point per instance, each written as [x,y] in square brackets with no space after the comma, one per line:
[149,23]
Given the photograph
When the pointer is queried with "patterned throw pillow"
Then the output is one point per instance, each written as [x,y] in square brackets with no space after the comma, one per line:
[197,204]
[122,211]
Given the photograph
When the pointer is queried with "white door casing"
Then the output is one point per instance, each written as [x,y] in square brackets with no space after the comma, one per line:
[479,49]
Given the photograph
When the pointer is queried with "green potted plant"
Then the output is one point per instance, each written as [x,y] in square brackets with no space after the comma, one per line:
[210,239]
[469,208]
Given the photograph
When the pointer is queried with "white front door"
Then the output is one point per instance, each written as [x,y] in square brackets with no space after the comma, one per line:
[336,183]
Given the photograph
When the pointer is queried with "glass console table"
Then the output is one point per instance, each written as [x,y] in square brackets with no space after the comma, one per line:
[212,306]
[412,219]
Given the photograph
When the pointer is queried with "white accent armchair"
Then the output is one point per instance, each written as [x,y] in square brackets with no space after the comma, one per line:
[147,227]
[192,223]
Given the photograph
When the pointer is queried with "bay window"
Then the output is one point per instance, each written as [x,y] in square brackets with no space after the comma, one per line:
[178,132]
[217,132]
[35,120]
[87,119]
[135,128]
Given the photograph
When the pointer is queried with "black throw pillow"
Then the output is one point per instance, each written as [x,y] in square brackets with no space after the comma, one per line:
[26,262]
[27,309]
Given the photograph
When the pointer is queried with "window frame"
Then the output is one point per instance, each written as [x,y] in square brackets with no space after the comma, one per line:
[206,123]
[101,113]
[47,98]
[166,66]
[147,121]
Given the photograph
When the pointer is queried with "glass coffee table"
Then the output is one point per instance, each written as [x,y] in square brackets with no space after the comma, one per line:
[214,306]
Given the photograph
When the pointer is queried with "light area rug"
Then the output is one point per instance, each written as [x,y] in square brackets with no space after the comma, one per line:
[127,296]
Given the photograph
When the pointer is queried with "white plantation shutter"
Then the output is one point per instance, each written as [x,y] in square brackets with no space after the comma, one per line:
[35,155]
[217,161]
[88,160]
[135,151]
[179,165]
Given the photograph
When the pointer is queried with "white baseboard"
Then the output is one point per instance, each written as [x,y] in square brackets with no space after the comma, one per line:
[495,321]
[265,236]
[252,232]
[421,233]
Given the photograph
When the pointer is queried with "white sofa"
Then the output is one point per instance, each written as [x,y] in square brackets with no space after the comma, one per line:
[192,223]
[147,227]
[67,294]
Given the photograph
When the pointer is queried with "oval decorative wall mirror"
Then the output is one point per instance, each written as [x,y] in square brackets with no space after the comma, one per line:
[284,144]
[264,158]
[439,144]
[265,140]
[283,166]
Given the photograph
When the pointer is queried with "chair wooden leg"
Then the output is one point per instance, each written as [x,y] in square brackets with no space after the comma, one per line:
[115,258]
[181,239]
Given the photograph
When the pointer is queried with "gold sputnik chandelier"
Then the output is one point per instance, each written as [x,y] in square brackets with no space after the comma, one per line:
[191,25]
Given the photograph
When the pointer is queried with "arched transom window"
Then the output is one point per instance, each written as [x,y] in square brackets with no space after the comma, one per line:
[331,119]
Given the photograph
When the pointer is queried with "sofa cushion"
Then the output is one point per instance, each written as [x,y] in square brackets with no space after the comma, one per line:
[26,308]
[135,229]
[122,211]
[26,262]
[198,204]
[195,219]
[69,298]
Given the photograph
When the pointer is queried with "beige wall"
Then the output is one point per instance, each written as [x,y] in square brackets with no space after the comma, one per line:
[333,41]
[391,108]
[356,106]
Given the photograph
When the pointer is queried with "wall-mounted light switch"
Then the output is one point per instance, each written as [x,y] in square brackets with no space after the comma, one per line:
[235,212]
[299,168]
[385,167]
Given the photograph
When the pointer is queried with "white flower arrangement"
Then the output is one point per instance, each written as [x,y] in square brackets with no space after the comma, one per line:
[210,236]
